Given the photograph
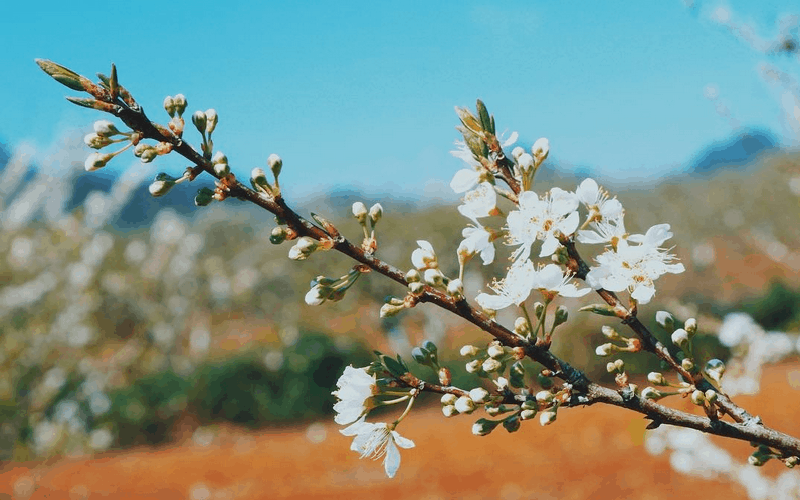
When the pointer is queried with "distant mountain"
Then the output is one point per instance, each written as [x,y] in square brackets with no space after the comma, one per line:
[737,150]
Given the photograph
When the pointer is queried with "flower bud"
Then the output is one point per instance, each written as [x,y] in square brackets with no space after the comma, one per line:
[96,161]
[413,276]
[540,149]
[105,128]
[561,316]
[455,288]
[665,320]
[656,378]
[180,104]
[525,162]
[521,326]
[484,426]
[199,120]
[715,369]
[375,213]
[690,325]
[416,288]
[501,383]
[605,349]
[204,197]
[148,155]
[277,235]
[496,351]
[512,423]
[160,187]
[473,366]
[479,395]
[169,105]
[652,393]
[610,333]
[388,310]
[219,157]
[449,399]
[444,376]
[547,417]
[698,397]
[316,295]
[433,277]
[424,257]
[258,178]
[360,212]
[222,170]
[491,365]
[96,141]
[211,120]
[449,410]
[680,338]
[465,405]
[275,164]
[469,350]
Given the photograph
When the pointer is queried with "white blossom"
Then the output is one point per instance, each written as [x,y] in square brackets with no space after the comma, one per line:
[479,202]
[551,279]
[513,289]
[424,257]
[356,388]
[542,219]
[477,240]
[634,267]
[376,441]
[596,201]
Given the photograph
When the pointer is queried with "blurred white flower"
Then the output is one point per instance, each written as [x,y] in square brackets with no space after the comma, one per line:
[376,441]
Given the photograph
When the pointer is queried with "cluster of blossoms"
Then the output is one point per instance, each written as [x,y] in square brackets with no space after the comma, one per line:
[549,222]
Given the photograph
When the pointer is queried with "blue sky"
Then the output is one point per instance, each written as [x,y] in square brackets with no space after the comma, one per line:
[363,92]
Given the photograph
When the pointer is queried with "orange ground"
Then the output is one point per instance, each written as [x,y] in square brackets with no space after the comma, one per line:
[588,453]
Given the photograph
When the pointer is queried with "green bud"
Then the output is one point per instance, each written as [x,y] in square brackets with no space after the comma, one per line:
[277,235]
[275,164]
[656,378]
[562,313]
[180,104]
[449,399]
[199,120]
[169,105]
[484,426]
[601,309]
[204,197]
[665,320]
[512,423]
[211,120]
[375,213]
[690,325]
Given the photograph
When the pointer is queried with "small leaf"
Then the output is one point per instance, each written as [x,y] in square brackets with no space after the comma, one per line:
[486,120]
[62,75]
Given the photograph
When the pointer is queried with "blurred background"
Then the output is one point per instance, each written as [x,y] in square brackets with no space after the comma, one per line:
[154,349]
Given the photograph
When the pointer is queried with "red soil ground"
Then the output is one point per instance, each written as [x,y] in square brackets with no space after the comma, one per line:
[591,452]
